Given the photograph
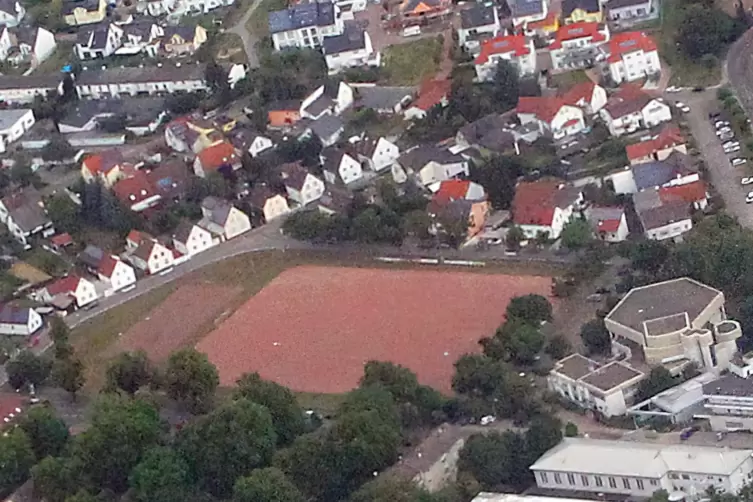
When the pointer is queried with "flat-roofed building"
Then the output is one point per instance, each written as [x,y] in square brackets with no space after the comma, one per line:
[637,469]
[676,321]
[729,403]
[607,388]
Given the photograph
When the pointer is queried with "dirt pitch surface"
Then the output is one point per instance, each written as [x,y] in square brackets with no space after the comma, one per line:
[313,328]
[176,321]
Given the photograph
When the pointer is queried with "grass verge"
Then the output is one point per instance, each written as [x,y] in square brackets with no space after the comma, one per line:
[408,63]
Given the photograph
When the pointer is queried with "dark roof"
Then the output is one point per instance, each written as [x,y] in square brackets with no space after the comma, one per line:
[91,256]
[293,174]
[619,4]
[476,16]
[9,6]
[326,126]
[352,39]
[49,81]
[575,366]
[14,315]
[70,5]
[259,195]
[216,210]
[141,29]
[520,8]
[382,98]
[332,156]
[568,6]
[301,16]
[185,32]
[283,105]
[420,156]
[661,300]
[166,73]
[729,385]
[170,178]
[654,174]
[611,375]
[183,231]
[668,212]
[23,35]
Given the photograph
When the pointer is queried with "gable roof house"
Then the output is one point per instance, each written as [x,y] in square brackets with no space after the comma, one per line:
[137,192]
[575,11]
[524,12]
[552,116]
[677,169]
[631,108]
[609,223]
[587,96]
[32,45]
[98,41]
[631,56]
[249,140]
[544,206]
[577,45]
[431,93]
[631,11]
[491,133]
[478,23]
[138,37]
[433,164]
[14,123]
[377,154]
[669,140]
[115,274]
[191,239]
[351,49]
[165,79]
[423,9]
[224,220]
[221,156]
[81,12]
[328,128]
[300,185]
[461,199]
[662,218]
[108,166]
[23,213]
[304,25]
[693,193]
[340,166]
[181,40]
[513,48]
[271,205]
[19,321]
[150,256]
[69,291]
[382,99]
[11,12]
[332,98]
[170,179]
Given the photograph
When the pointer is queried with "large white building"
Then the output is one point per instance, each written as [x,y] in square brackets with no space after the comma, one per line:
[637,469]
[728,401]
[632,55]
[515,49]
[305,25]
[677,321]
[577,45]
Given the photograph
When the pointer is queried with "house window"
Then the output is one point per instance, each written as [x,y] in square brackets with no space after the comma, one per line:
[598,480]
[639,482]
[543,477]
[612,483]
[685,476]
[571,479]
[584,480]
[626,483]
[557,478]
[654,482]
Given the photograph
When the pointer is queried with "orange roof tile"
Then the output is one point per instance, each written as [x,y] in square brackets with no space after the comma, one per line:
[135,189]
[583,91]
[575,31]
[65,285]
[690,192]
[216,156]
[107,265]
[432,93]
[544,108]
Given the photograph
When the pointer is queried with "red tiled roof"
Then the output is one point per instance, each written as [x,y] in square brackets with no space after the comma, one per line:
[582,91]
[544,108]
[668,137]
[535,203]
[575,31]
[571,122]
[502,45]
[107,265]
[135,189]
[103,162]
[432,93]
[65,285]
[627,42]
[62,240]
[452,190]
[608,225]
[640,150]
[628,99]
[690,192]
[216,156]
[136,236]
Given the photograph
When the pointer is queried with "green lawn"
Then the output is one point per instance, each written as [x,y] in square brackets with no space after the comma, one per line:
[568,79]
[409,63]
[47,262]
[62,56]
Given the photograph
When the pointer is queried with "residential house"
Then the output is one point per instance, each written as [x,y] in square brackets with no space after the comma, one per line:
[141,116]
[632,55]
[26,45]
[551,115]
[98,41]
[332,98]
[577,11]
[191,239]
[677,169]
[191,134]
[631,10]
[433,164]
[11,13]
[543,28]
[460,199]
[693,193]
[478,23]
[305,25]
[524,12]
[150,256]
[328,128]
[199,7]
[69,291]
[300,185]
[604,388]
[137,192]
[24,89]
[587,96]
[140,37]
[515,49]
[135,238]
[115,273]
[412,11]
[13,124]
[351,49]
[387,100]
[23,213]
[107,166]
[377,154]
[182,40]
[637,470]
[490,133]
[81,12]
[341,165]
[272,205]
[98,84]
[669,140]
[283,113]
[609,223]
[224,220]
[62,241]
[349,7]
[219,157]
[576,45]
[544,207]
[170,179]
[431,93]
[19,321]
[680,320]
[631,108]
[251,141]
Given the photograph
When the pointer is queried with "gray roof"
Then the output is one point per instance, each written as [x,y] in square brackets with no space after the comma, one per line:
[568,6]
[185,32]
[620,4]
[520,8]
[326,126]
[662,299]
[166,73]
[301,16]
[9,6]
[331,158]
[8,118]
[576,366]
[14,315]
[729,385]
[477,16]
[91,256]
[352,39]
[653,174]
[601,213]
[668,212]
[382,98]
[293,174]
[216,210]
[137,110]
[29,217]
[420,156]
[611,375]
[183,231]
[49,81]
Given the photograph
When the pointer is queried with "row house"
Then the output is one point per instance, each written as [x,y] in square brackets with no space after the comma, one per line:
[632,56]
[305,25]
[98,84]
[24,89]
[577,45]
[31,45]
[551,115]
[515,49]
[477,24]
[631,109]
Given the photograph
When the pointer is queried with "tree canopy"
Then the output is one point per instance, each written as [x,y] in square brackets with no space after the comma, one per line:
[162,475]
[576,234]
[659,379]
[531,308]
[266,485]
[27,369]
[129,372]
[47,434]
[16,458]
[191,378]
[596,337]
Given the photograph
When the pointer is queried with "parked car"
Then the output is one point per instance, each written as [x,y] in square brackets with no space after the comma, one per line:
[412,31]
[721,123]
[726,136]
[682,107]
[722,130]
[747,180]
[749,198]
[732,149]
[730,144]
[738,161]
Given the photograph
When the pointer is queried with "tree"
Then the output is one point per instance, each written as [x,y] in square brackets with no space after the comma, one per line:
[266,485]
[705,31]
[576,234]
[64,213]
[544,433]
[27,369]
[571,430]
[82,496]
[659,379]
[191,378]
[648,255]
[227,443]
[56,478]
[416,224]
[387,489]
[514,237]
[516,341]
[60,334]
[498,176]
[596,338]
[496,459]
[558,347]
[129,372]
[287,415]
[163,475]
[16,458]
[506,85]
[21,173]
[660,495]
[48,435]
[121,430]
[68,374]
[529,308]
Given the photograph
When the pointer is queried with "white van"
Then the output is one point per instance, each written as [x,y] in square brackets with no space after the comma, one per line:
[412,31]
